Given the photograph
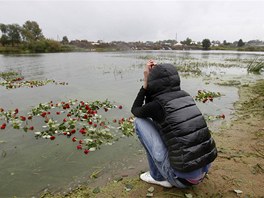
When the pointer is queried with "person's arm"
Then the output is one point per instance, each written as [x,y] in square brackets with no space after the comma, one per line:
[149,110]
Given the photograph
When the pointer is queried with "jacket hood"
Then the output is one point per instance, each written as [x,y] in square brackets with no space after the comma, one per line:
[163,78]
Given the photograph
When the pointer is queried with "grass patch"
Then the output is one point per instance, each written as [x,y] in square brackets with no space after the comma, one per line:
[255,66]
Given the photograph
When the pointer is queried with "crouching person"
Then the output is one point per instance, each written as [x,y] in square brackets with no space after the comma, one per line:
[172,129]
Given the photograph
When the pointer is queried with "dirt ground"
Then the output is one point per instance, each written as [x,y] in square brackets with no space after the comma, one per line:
[238,170]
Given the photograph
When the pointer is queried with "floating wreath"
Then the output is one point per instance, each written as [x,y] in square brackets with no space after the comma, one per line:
[15,80]
[205,96]
[82,122]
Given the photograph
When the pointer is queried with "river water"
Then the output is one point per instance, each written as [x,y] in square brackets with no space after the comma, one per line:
[29,166]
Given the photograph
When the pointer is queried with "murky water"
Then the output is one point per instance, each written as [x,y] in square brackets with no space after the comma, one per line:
[28,165]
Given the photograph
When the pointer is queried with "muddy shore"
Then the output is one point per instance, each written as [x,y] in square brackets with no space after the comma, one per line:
[238,170]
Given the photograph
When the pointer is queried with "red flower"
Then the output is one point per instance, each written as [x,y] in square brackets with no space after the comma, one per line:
[3,126]
[64,120]
[90,123]
[105,109]
[73,131]
[43,114]
[64,133]
[79,147]
[16,111]
[58,113]
[31,128]
[114,120]
[23,118]
[120,107]
[95,125]
[66,106]
[85,116]
[205,100]
[74,139]
[87,107]
[222,116]
[1,109]
[30,117]
[52,137]
[82,130]
[68,115]
[80,141]
[86,151]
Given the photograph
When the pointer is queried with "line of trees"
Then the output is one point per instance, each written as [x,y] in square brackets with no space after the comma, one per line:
[27,38]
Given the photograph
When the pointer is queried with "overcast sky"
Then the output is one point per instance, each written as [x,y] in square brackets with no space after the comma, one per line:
[140,20]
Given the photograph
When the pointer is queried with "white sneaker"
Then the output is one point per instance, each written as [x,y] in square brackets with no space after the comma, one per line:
[147,178]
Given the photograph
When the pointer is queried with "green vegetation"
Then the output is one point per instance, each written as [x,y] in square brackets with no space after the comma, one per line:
[255,66]
[28,39]
[206,44]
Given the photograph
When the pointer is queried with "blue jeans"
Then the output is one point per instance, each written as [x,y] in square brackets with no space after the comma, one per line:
[157,154]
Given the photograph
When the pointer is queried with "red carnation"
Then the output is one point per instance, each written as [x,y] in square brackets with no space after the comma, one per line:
[23,118]
[31,128]
[43,114]
[95,125]
[64,120]
[16,111]
[3,126]
[80,141]
[74,139]
[58,113]
[73,131]
[30,117]
[52,137]
[79,147]
[114,120]
[86,151]
[120,107]
[82,130]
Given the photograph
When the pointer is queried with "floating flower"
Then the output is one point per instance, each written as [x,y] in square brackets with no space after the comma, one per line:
[23,118]
[52,137]
[79,147]
[86,151]
[83,131]
[3,126]
[120,107]
[74,139]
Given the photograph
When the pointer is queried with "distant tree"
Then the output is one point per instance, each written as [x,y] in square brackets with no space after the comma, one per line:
[65,40]
[224,42]
[187,41]
[3,28]
[240,43]
[13,33]
[4,37]
[206,44]
[4,40]
[31,31]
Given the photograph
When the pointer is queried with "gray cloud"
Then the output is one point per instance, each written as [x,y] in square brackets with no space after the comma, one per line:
[140,20]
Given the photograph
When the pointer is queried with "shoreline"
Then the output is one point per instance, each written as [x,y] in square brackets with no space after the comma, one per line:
[237,171]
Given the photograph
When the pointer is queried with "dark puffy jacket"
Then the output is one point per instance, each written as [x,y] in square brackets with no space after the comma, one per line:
[183,130]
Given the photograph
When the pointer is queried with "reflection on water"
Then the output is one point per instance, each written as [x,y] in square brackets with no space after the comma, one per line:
[28,166]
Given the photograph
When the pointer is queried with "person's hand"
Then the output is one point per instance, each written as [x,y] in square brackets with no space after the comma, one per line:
[150,64]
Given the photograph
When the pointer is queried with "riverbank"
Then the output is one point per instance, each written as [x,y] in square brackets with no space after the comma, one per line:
[237,172]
